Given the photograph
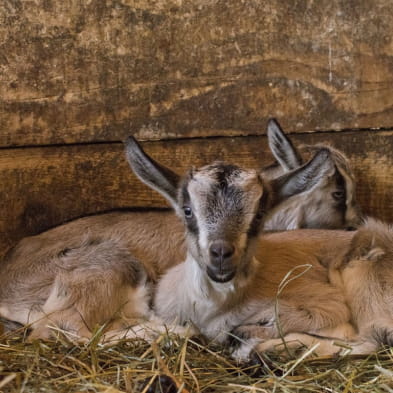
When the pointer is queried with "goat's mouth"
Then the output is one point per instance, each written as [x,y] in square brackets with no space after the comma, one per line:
[219,275]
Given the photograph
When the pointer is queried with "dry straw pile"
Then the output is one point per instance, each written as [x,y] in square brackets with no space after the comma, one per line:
[173,364]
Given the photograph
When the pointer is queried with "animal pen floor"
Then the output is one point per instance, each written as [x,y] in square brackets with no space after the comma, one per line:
[195,366]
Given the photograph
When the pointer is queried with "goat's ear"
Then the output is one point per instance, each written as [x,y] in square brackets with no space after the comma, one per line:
[155,175]
[304,178]
[282,148]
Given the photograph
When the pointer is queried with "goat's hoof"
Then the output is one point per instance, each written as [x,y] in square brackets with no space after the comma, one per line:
[260,365]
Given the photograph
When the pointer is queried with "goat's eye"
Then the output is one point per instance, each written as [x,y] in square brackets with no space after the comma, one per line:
[338,195]
[187,211]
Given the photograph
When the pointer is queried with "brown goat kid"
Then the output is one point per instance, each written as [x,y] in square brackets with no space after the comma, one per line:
[360,266]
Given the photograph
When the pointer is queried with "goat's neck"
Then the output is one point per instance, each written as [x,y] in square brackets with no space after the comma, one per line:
[186,294]
[219,293]
[206,300]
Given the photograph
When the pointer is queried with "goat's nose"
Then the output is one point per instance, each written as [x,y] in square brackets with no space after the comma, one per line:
[221,250]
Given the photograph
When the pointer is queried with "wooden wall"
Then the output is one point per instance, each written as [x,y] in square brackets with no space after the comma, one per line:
[197,80]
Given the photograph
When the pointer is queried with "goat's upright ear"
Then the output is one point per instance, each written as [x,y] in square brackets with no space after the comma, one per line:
[282,148]
[304,178]
[155,175]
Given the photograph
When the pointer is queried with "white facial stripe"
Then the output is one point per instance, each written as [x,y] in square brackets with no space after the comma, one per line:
[199,188]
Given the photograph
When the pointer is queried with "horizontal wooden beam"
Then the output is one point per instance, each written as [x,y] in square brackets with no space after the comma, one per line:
[93,71]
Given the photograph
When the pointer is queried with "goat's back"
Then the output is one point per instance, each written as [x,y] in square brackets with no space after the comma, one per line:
[282,254]
[30,268]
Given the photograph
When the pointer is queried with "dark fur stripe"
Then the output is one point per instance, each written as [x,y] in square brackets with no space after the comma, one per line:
[191,223]
[255,227]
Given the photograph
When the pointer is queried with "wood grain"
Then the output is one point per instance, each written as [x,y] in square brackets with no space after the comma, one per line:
[74,71]
[45,186]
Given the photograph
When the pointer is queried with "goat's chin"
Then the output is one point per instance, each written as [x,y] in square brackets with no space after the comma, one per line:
[220,277]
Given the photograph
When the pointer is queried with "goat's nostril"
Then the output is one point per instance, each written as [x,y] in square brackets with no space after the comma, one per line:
[222,249]
[214,252]
[228,252]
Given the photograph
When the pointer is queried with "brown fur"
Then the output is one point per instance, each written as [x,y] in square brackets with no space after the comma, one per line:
[360,265]
[366,276]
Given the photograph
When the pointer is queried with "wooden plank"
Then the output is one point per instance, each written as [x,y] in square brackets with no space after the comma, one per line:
[76,71]
[45,186]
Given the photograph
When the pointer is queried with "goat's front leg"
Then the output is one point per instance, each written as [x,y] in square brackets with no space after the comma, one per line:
[328,342]
[147,330]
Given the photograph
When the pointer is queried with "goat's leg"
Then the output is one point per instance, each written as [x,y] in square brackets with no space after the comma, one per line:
[320,346]
[146,330]
[333,341]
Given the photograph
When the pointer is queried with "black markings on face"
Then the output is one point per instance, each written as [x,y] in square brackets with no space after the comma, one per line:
[224,172]
[223,203]
[256,222]
[340,194]
[225,200]
[190,220]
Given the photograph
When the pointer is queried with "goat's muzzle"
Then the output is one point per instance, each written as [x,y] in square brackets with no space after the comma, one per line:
[221,267]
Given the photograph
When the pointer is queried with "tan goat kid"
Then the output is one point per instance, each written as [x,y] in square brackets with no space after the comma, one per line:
[360,265]
[330,204]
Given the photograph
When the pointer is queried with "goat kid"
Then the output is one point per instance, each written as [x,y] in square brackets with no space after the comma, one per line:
[365,274]
[229,279]
[360,265]
[38,263]
[330,204]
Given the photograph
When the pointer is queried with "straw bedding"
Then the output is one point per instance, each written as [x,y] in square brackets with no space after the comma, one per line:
[172,364]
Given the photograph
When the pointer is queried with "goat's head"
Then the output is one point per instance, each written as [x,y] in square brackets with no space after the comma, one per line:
[222,205]
[330,204]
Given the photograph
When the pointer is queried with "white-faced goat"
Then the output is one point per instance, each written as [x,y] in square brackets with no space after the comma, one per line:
[229,280]
[97,270]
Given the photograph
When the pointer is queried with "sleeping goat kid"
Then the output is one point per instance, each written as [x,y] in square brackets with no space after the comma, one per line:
[365,274]
[360,264]
[227,279]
